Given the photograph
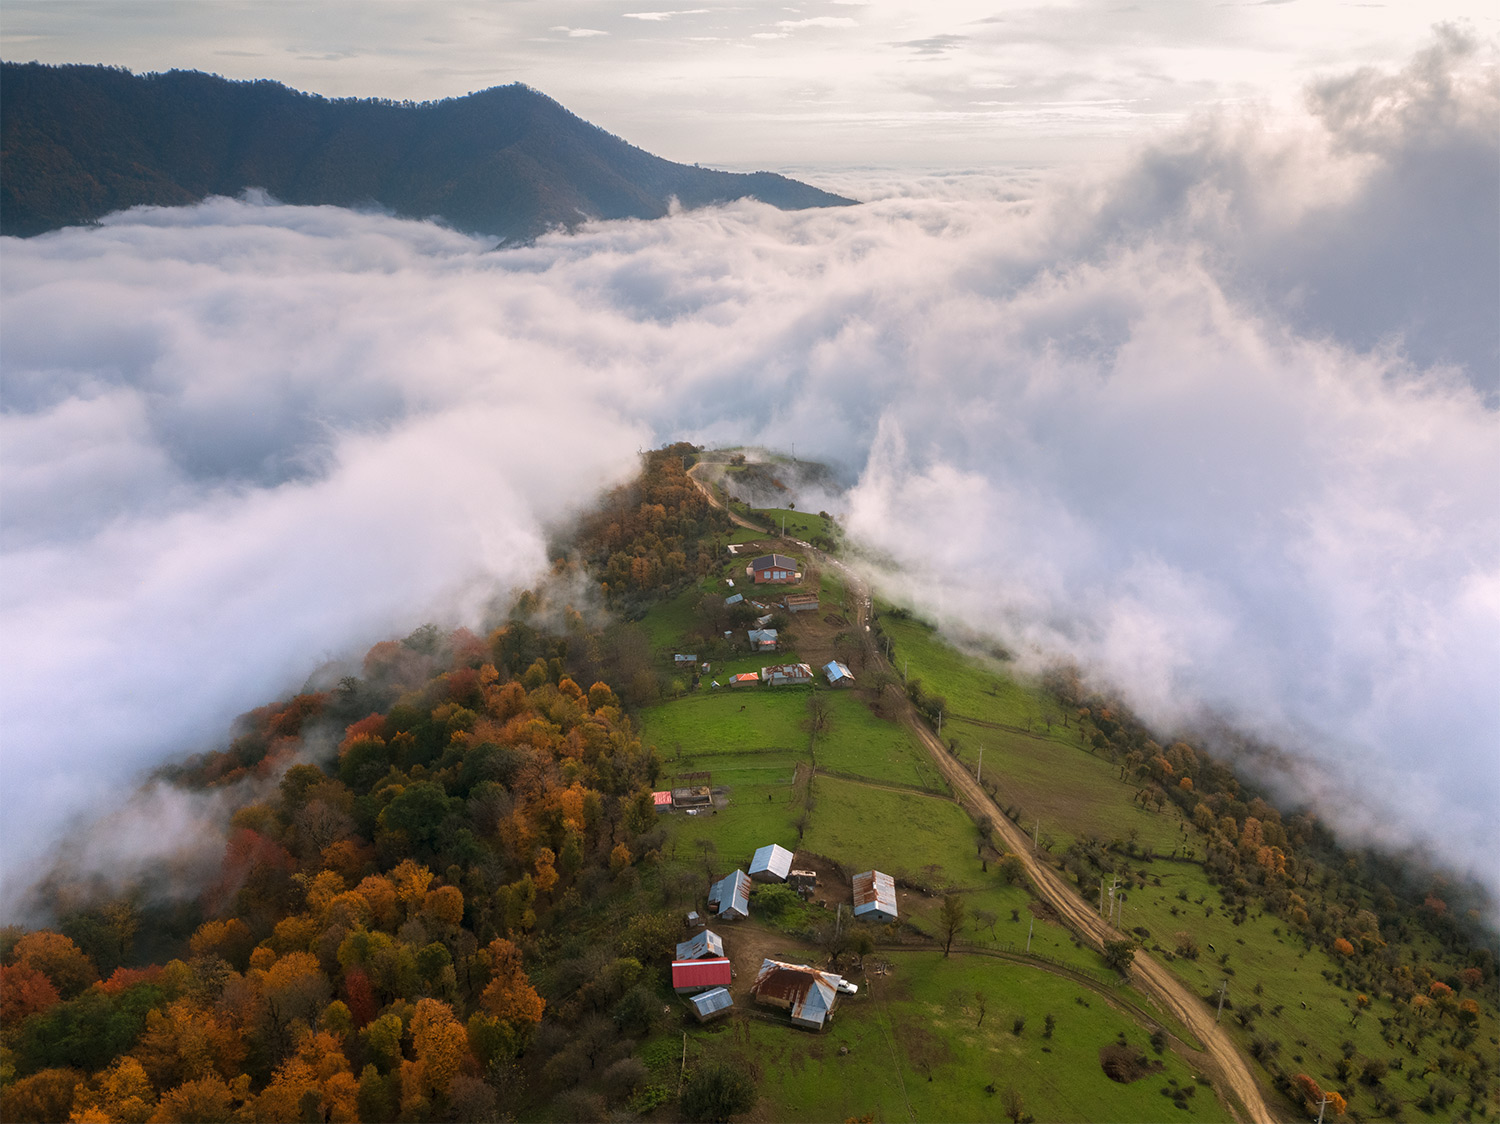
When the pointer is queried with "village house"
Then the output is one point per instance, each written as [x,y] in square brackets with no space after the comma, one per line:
[778,675]
[762,639]
[772,863]
[807,993]
[875,896]
[708,1005]
[729,897]
[689,976]
[707,945]
[838,674]
[774,568]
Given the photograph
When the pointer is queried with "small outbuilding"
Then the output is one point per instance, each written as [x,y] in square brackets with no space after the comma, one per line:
[695,796]
[744,679]
[875,896]
[662,801]
[680,658]
[774,568]
[708,1005]
[803,881]
[772,863]
[733,599]
[707,945]
[807,993]
[801,602]
[729,897]
[838,674]
[699,975]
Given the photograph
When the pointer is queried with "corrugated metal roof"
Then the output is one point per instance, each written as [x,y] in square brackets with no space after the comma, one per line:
[786,673]
[700,973]
[773,860]
[731,895]
[874,891]
[837,672]
[808,993]
[706,944]
[660,798]
[735,600]
[709,1003]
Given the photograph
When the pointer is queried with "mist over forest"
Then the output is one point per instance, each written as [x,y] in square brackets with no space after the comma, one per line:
[1219,424]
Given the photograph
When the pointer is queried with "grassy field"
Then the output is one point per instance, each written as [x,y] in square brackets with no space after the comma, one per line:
[898,832]
[913,1046]
[799,524]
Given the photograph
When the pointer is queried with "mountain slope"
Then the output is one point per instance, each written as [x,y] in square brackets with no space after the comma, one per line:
[77,142]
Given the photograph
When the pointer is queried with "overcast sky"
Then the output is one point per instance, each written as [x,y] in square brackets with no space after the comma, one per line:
[825,82]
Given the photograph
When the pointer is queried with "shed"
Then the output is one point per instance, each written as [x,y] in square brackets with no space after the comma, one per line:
[700,975]
[744,679]
[779,675]
[696,796]
[662,801]
[734,600]
[875,896]
[729,897]
[707,945]
[762,639]
[680,658]
[711,1004]
[807,993]
[801,602]
[803,881]
[774,568]
[772,863]
[838,674]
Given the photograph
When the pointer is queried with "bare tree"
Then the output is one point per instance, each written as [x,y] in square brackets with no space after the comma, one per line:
[952,920]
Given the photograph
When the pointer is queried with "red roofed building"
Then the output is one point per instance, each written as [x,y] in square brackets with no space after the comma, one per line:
[699,975]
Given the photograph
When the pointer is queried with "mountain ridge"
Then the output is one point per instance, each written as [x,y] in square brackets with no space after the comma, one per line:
[80,141]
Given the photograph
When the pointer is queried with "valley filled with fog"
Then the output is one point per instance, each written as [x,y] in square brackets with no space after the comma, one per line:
[1218,424]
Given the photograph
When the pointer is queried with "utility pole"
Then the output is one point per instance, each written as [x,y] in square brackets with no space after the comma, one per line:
[905,665]
[940,725]
[1029,932]
[1321,1106]
[1223,987]
[979,776]
[1036,837]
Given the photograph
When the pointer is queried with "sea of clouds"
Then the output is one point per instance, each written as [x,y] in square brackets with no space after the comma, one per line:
[1219,424]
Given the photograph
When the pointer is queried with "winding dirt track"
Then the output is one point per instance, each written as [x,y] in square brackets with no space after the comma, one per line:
[1234,1076]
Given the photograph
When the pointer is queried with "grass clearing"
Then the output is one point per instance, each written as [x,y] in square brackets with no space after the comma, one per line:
[913,1045]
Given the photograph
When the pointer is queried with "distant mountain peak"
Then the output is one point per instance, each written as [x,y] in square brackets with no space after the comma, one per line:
[79,142]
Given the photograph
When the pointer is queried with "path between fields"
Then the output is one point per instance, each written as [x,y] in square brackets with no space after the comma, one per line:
[1150,976]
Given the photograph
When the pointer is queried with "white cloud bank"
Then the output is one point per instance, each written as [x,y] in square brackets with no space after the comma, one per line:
[1153,423]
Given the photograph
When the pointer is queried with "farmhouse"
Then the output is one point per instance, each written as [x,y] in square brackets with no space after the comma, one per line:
[762,639]
[779,675]
[711,1004]
[729,897]
[809,994]
[838,674]
[772,863]
[875,896]
[707,945]
[800,602]
[774,568]
[699,975]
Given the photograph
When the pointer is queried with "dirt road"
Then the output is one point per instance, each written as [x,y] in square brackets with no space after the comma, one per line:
[1234,1076]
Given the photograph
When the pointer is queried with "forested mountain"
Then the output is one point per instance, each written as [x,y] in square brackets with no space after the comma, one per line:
[77,142]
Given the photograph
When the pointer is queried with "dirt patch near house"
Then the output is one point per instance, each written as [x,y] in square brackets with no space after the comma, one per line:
[1045,911]
[1126,1063]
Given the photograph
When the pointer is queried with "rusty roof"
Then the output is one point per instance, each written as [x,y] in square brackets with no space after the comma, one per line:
[874,890]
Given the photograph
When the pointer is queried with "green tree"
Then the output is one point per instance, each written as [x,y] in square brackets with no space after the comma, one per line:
[715,1093]
[952,920]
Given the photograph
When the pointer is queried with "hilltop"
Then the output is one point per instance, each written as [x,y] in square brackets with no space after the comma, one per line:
[79,142]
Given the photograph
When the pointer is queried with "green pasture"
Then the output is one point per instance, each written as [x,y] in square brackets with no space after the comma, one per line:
[1270,965]
[862,826]
[1075,794]
[709,723]
[859,743]
[973,685]
[799,524]
[916,1048]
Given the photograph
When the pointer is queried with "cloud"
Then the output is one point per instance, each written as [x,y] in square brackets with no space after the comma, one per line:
[579,32]
[658,17]
[1133,421]
[817,21]
[933,45]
